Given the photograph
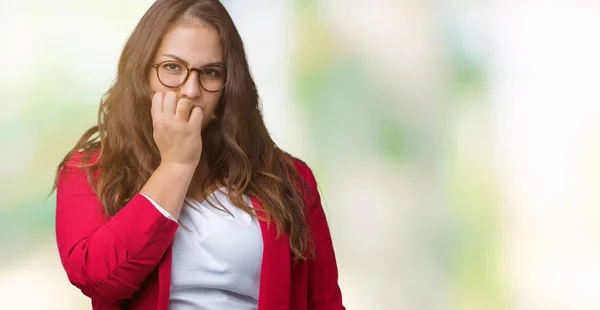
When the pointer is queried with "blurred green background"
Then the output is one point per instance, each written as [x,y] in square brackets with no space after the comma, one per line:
[456,143]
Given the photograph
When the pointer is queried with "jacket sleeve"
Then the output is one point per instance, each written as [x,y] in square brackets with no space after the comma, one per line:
[323,290]
[107,258]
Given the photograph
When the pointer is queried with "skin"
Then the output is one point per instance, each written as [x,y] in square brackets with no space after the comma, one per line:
[197,45]
[179,115]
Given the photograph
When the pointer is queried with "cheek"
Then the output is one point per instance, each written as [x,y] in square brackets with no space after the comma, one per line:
[212,101]
[211,108]
[155,84]
[153,81]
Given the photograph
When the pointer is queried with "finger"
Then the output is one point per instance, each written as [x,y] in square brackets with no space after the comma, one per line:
[196,117]
[184,105]
[169,103]
[157,105]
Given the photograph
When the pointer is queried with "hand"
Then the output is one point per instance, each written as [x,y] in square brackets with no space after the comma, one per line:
[177,129]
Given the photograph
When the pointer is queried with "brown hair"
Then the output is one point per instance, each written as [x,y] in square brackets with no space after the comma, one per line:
[240,153]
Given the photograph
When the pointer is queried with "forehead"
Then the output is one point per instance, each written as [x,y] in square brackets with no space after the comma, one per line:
[196,44]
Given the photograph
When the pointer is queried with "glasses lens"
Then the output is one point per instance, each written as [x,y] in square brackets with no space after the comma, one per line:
[212,78]
[172,74]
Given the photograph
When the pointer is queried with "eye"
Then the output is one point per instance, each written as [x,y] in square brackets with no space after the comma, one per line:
[213,73]
[172,66]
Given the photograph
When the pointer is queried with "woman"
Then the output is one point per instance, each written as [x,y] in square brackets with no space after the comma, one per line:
[178,198]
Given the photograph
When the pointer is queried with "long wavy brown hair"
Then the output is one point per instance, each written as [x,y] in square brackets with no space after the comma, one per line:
[240,154]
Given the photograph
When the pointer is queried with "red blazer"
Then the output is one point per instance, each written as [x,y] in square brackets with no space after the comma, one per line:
[124,261]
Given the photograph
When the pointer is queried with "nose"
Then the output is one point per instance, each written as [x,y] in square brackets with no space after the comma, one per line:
[191,88]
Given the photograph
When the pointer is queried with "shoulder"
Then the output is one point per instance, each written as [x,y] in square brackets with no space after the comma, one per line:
[301,167]
[77,170]
[305,173]
[81,159]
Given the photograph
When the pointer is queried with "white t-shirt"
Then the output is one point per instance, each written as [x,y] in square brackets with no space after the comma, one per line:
[216,256]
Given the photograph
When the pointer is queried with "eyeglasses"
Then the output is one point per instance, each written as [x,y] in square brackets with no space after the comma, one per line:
[173,74]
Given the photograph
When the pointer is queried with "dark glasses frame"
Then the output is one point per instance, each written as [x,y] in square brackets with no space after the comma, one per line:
[188,73]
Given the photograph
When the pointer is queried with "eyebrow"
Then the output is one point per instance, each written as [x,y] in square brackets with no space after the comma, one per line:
[215,63]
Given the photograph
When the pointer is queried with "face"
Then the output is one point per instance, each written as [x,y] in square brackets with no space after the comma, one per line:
[192,46]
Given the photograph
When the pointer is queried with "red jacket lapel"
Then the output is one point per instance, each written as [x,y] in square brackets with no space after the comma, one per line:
[275,274]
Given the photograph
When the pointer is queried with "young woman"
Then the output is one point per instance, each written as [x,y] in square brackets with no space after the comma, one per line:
[178,198]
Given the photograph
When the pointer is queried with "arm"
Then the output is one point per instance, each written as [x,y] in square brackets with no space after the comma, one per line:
[110,258]
[323,290]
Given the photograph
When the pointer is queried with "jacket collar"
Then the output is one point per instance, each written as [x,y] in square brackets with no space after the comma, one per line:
[275,274]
